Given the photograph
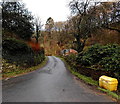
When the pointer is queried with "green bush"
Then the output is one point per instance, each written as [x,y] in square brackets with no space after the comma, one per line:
[91,56]
[71,59]
[111,63]
[19,53]
[102,58]
[13,46]
[39,57]
[98,54]
[96,61]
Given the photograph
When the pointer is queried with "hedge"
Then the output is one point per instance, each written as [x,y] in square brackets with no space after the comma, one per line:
[97,60]
[19,53]
[105,57]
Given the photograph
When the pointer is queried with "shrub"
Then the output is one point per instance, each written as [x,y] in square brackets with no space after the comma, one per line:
[19,53]
[12,46]
[39,57]
[98,54]
[85,60]
[90,57]
[111,63]
[102,58]
[71,59]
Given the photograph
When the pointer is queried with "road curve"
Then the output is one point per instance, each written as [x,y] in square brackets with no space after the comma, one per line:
[52,83]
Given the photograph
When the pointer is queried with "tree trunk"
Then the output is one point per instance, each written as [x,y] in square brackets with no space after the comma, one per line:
[80,44]
[37,34]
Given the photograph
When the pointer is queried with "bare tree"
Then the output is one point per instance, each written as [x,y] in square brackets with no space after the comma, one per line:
[112,15]
[38,27]
[49,25]
[81,23]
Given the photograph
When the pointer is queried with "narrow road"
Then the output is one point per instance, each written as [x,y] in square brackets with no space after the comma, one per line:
[52,83]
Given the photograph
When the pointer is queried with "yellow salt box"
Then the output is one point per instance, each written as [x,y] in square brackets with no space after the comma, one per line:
[108,83]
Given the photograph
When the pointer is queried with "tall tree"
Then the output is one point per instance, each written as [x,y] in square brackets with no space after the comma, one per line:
[38,27]
[81,24]
[49,25]
[62,34]
[17,19]
[111,15]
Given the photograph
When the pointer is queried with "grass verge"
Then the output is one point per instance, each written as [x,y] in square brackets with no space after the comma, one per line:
[24,71]
[90,81]
[109,93]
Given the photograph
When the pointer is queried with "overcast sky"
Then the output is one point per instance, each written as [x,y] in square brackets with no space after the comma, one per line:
[57,9]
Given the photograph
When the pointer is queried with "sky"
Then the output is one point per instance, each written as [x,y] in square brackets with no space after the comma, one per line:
[57,9]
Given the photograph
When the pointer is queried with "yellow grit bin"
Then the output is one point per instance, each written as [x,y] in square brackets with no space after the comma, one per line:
[108,83]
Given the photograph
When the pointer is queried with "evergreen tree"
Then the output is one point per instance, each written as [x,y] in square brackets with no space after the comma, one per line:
[17,19]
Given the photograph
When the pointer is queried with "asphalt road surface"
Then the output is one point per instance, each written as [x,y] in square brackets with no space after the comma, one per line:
[52,83]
